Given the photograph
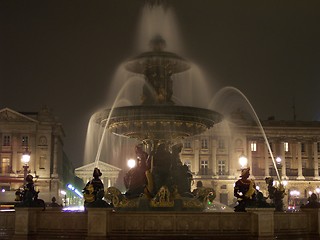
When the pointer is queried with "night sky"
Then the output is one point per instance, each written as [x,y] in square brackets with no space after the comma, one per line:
[64,54]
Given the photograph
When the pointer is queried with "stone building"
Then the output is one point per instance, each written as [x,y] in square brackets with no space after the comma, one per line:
[109,172]
[214,157]
[42,135]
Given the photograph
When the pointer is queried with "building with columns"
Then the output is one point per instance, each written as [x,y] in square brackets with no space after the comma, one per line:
[109,172]
[42,136]
[213,157]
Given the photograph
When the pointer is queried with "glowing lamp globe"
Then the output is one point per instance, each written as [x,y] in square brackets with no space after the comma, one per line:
[131,163]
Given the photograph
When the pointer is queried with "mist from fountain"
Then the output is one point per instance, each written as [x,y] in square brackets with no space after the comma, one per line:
[125,89]
[97,136]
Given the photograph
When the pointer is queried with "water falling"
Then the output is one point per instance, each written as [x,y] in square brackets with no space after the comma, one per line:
[97,138]
[216,103]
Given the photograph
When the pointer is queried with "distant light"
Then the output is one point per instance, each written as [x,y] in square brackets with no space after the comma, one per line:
[3,190]
[294,193]
[310,192]
[25,158]
[284,183]
[258,188]
[63,192]
[243,161]
[78,193]
[131,163]
[72,188]
[74,209]
[278,160]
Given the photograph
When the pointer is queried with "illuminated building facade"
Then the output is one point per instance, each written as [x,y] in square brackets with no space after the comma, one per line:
[42,136]
[214,157]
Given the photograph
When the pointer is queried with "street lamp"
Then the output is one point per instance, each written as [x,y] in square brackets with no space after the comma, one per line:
[131,163]
[279,166]
[25,159]
[243,160]
[318,192]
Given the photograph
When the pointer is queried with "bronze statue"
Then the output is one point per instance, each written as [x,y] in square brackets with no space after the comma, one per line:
[94,191]
[161,168]
[181,175]
[276,194]
[244,191]
[312,202]
[28,196]
[135,180]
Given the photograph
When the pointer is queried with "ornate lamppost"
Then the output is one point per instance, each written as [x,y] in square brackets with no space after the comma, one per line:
[25,159]
[279,167]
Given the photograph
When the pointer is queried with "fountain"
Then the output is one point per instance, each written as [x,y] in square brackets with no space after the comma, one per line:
[157,119]
[158,123]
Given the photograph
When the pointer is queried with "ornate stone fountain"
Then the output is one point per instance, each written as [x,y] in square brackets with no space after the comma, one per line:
[158,122]
[157,119]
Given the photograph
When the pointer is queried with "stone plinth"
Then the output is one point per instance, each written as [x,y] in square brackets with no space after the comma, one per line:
[25,222]
[262,222]
[98,223]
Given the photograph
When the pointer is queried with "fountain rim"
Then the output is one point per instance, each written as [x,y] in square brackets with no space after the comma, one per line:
[138,65]
[167,111]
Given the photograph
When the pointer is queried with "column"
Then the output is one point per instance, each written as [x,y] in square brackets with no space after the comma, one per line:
[283,161]
[266,161]
[316,160]
[214,157]
[196,156]
[300,176]
[16,162]
[55,157]
[232,164]
[249,153]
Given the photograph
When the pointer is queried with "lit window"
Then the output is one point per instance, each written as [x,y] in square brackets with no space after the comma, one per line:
[25,140]
[253,147]
[204,144]
[5,165]
[286,146]
[204,167]
[221,167]
[6,140]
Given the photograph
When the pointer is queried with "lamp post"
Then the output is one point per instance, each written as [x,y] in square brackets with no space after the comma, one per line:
[25,159]
[279,166]
[318,192]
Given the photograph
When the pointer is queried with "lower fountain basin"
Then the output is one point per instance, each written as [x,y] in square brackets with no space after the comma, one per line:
[157,122]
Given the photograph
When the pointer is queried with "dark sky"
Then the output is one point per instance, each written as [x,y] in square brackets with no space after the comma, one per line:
[64,54]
